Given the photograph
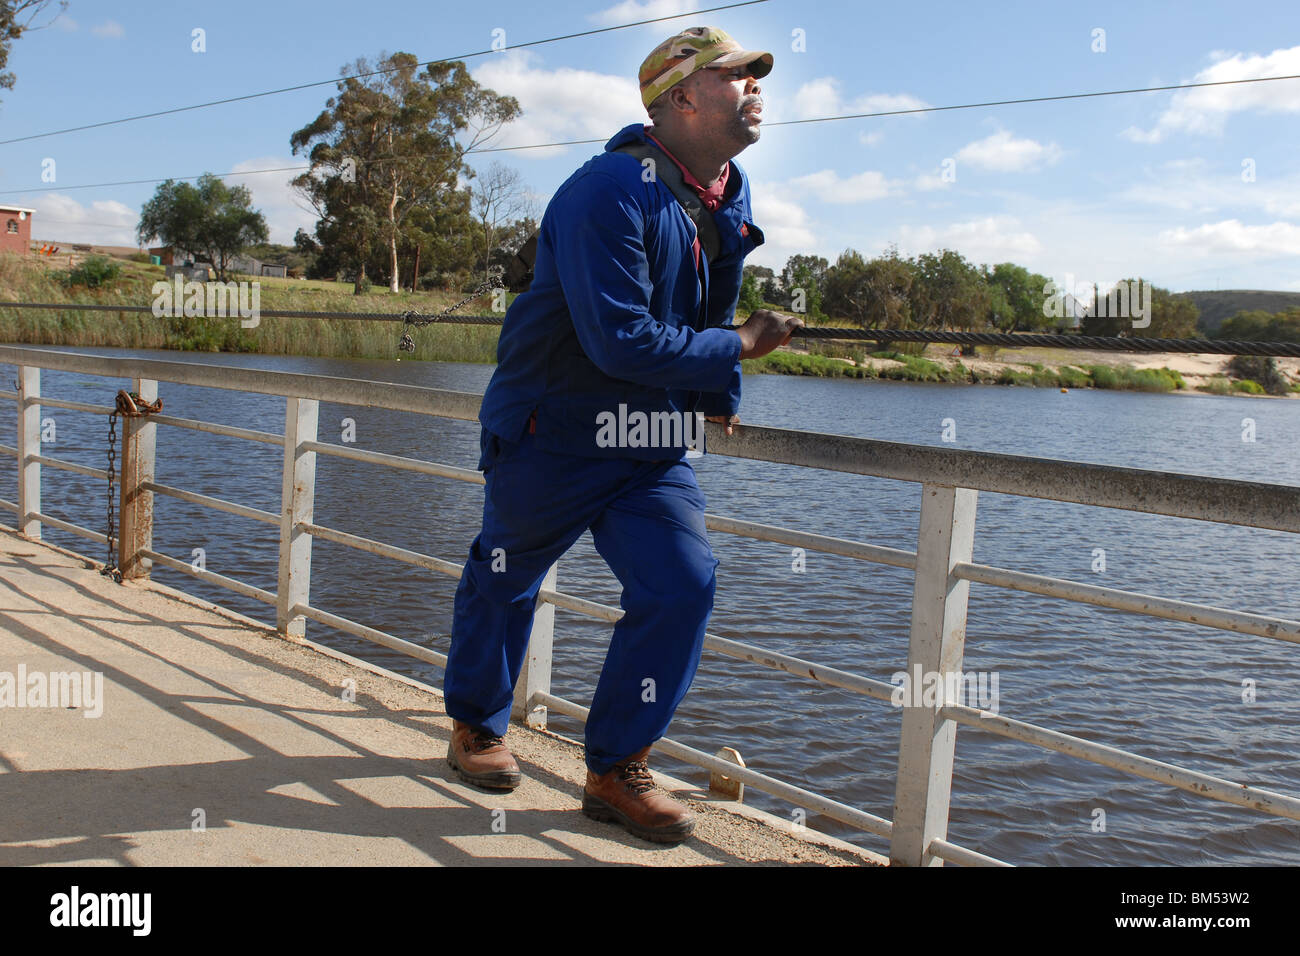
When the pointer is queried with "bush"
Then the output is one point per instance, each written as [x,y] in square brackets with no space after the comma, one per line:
[1261,369]
[1152,379]
[1103,376]
[1217,386]
[1249,387]
[1142,380]
[923,370]
[1072,377]
[94,272]
[1009,376]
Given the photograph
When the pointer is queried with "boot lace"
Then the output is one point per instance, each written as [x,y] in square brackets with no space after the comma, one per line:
[636,777]
[483,739]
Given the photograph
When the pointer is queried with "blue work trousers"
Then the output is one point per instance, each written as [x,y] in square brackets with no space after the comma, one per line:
[647,521]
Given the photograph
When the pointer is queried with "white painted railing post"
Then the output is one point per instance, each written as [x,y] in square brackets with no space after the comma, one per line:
[936,647]
[29,446]
[535,677]
[297,505]
[135,511]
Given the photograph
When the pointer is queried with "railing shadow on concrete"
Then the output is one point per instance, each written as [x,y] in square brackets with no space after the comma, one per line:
[950,481]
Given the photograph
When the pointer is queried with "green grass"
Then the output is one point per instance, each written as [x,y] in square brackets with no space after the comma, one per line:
[43,281]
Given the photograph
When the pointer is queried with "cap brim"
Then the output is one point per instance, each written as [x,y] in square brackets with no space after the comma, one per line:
[759,62]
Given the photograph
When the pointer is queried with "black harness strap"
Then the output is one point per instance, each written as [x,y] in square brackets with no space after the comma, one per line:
[519,271]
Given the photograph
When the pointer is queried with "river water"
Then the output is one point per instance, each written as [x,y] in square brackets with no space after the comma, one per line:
[1161,689]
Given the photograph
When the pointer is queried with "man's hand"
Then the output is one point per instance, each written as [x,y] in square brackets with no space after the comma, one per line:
[724,420]
[765,331]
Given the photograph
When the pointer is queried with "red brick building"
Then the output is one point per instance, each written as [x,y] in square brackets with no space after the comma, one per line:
[15,229]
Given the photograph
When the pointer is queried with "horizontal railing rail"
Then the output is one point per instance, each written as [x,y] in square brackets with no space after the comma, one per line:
[943,571]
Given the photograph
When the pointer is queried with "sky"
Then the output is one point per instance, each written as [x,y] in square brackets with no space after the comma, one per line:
[1195,189]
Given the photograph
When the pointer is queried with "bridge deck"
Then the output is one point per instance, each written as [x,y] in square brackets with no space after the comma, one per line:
[207,714]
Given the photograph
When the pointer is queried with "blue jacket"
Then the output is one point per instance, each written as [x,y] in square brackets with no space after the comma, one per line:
[617,314]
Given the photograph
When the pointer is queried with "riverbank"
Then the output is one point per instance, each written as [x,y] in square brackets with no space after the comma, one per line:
[1036,367]
[34,280]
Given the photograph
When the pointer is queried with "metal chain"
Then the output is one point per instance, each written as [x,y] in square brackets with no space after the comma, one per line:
[110,565]
[128,405]
[414,320]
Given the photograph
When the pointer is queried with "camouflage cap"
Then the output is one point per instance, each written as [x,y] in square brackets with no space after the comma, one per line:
[695,49]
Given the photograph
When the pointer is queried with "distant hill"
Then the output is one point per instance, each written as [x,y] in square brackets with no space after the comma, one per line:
[1223,304]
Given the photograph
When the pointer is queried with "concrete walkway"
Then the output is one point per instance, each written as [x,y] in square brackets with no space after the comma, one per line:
[220,743]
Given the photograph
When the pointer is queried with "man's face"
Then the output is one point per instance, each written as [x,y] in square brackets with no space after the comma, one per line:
[729,103]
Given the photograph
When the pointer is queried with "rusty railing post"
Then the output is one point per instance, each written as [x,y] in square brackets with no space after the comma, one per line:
[135,506]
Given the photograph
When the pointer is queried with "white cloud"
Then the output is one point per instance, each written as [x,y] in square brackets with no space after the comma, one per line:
[787,229]
[104,222]
[822,97]
[872,138]
[1003,153]
[1231,236]
[284,209]
[1204,111]
[928,182]
[1196,186]
[632,11]
[561,104]
[64,23]
[109,28]
[990,239]
[828,186]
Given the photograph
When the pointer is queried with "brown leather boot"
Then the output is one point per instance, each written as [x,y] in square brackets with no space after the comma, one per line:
[481,758]
[627,795]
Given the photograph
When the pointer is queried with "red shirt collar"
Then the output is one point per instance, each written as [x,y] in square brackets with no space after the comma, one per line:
[712,196]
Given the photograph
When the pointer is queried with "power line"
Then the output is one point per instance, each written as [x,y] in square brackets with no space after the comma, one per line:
[816,119]
[940,109]
[357,76]
[1038,99]
[146,182]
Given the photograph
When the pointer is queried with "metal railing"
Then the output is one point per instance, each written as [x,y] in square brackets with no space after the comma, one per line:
[950,481]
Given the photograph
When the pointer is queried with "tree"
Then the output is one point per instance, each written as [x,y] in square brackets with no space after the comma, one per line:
[207,218]
[770,290]
[806,273]
[873,294]
[511,238]
[1262,326]
[751,297]
[1015,298]
[386,146]
[1172,317]
[1130,300]
[441,236]
[949,292]
[498,196]
[16,17]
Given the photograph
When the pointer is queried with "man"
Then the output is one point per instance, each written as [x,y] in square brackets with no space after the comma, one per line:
[628,320]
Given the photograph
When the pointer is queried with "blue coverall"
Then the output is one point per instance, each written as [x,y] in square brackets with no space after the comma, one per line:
[617,315]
